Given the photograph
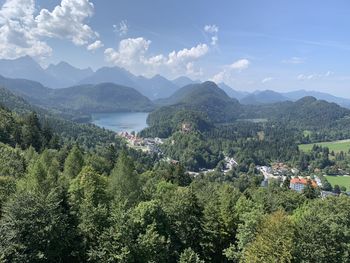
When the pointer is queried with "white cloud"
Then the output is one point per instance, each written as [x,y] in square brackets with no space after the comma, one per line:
[314,76]
[268,79]
[94,46]
[222,76]
[227,73]
[130,51]
[132,54]
[122,28]
[66,21]
[175,58]
[294,60]
[240,64]
[16,31]
[21,33]
[211,29]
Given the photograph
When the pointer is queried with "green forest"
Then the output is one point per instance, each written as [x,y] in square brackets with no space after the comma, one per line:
[89,198]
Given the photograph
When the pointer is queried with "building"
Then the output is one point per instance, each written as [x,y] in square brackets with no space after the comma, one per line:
[298,184]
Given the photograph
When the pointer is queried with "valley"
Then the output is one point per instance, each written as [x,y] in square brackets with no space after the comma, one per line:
[109,150]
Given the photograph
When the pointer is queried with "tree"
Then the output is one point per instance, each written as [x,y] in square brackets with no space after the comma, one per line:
[309,191]
[89,200]
[124,181]
[31,132]
[73,163]
[336,189]
[189,256]
[323,230]
[34,228]
[185,219]
[274,241]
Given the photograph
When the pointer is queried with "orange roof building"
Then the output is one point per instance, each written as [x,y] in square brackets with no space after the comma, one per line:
[298,184]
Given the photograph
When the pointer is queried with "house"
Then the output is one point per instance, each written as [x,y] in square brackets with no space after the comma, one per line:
[298,184]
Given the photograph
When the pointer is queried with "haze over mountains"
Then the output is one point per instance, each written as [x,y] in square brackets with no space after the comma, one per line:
[63,75]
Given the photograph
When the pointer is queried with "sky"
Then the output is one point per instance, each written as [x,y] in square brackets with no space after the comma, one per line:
[248,44]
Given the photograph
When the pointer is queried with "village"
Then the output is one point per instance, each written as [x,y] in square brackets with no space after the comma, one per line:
[277,172]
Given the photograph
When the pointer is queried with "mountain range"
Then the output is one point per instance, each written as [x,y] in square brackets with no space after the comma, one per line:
[64,75]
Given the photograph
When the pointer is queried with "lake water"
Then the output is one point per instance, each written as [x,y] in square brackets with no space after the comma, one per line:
[121,121]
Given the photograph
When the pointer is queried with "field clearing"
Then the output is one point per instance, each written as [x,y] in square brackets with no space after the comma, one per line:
[339,180]
[336,146]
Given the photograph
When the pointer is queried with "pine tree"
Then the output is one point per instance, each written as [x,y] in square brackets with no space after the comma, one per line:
[73,163]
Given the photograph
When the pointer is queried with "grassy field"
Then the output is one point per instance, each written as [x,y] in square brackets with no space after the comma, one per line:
[335,146]
[339,180]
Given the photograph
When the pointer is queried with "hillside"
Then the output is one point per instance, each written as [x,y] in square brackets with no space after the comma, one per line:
[105,97]
[306,113]
[263,97]
[208,99]
[201,105]
[79,99]
[231,92]
[13,102]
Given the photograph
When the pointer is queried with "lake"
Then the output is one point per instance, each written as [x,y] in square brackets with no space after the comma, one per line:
[121,121]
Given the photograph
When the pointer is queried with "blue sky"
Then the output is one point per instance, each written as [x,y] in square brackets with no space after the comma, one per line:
[273,44]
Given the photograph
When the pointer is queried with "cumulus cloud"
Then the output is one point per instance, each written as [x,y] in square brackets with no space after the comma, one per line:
[268,79]
[67,21]
[122,28]
[131,53]
[228,71]
[94,46]
[175,58]
[21,33]
[17,37]
[212,31]
[294,60]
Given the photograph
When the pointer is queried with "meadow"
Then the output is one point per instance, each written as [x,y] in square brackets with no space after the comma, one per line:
[336,146]
[339,180]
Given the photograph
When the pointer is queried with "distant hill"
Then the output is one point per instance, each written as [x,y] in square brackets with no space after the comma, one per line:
[115,75]
[198,104]
[263,97]
[298,94]
[32,91]
[26,68]
[153,88]
[55,76]
[269,96]
[231,92]
[184,81]
[105,97]
[79,99]
[68,74]
[305,113]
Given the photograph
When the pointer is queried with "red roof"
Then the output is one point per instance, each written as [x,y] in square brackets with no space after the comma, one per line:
[302,181]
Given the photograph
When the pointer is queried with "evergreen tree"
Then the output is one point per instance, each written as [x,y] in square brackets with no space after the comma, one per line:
[73,163]
[124,181]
